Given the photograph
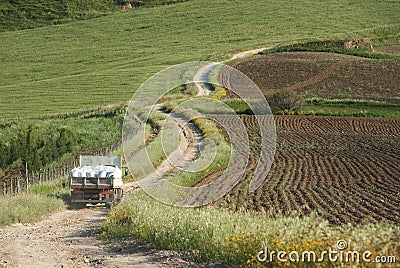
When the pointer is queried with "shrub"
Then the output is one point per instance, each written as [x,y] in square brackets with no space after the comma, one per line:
[286,99]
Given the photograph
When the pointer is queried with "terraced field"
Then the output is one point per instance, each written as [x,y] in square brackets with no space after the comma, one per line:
[346,169]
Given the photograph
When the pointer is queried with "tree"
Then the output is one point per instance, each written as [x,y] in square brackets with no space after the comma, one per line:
[4,154]
[36,148]
[17,148]
[285,99]
[48,151]
[32,142]
[66,141]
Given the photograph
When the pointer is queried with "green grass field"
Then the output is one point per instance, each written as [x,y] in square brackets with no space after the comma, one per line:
[20,14]
[90,63]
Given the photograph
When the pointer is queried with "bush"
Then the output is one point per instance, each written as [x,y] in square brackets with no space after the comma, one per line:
[27,208]
[286,99]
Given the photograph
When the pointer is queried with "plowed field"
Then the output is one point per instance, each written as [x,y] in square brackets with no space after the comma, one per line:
[346,169]
[325,75]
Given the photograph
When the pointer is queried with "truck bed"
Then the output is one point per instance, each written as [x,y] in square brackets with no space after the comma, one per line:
[99,183]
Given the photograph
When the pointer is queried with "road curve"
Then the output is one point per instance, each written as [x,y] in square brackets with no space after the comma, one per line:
[203,73]
[67,238]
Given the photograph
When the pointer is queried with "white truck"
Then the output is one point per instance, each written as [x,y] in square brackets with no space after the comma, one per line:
[98,179]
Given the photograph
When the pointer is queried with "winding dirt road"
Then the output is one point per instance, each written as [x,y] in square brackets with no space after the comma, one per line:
[68,238]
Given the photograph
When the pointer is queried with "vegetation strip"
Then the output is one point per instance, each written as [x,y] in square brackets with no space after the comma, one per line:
[213,235]
[32,206]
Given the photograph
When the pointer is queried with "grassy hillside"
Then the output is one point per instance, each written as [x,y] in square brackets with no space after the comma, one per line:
[94,62]
[19,14]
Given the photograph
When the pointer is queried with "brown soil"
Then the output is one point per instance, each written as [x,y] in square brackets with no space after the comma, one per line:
[346,169]
[389,49]
[325,75]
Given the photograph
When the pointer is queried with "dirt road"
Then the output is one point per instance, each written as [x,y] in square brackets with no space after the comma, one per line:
[68,238]
[203,73]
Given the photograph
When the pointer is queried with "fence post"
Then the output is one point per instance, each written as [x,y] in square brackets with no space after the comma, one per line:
[18,185]
[12,187]
[27,176]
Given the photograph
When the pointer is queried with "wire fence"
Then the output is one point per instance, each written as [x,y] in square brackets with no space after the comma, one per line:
[21,183]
